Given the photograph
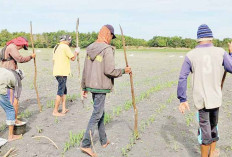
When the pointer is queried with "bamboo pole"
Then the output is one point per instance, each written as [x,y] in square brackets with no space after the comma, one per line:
[132,88]
[78,61]
[35,76]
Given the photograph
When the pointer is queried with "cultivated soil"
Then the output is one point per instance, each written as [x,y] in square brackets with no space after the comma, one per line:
[164,131]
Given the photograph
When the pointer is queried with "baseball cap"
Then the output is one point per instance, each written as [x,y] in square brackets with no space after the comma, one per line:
[111,28]
[66,38]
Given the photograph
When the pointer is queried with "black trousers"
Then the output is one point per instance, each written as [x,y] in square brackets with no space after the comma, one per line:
[208,131]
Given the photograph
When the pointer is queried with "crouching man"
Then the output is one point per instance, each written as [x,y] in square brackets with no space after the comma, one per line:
[10,79]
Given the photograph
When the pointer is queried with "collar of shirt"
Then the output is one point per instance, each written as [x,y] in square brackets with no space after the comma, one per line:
[204,45]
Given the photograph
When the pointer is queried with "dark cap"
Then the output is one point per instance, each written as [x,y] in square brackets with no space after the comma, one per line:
[111,28]
[66,38]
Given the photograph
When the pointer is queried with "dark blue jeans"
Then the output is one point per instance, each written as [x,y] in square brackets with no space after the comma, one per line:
[62,88]
[96,120]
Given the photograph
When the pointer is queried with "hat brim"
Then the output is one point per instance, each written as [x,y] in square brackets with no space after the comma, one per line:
[204,39]
[113,36]
[25,47]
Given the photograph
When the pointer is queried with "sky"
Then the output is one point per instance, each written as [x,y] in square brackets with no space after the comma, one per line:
[138,18]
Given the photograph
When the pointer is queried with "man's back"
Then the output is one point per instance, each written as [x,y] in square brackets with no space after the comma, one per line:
[99,69]
[61,57]
[7,80]
[207,68]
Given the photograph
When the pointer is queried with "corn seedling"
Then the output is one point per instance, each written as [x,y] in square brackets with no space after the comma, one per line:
[107,118]
[56,120]
[39,130]
[124,152]
[189,118]
[74,140]
[71,98]
[51,104]
[129,146]
[171,98]
[25,114]
[175,146]
[3,127]
[31,86]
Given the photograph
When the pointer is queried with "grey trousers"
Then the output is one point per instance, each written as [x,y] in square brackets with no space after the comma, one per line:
[96,120]
[208,131]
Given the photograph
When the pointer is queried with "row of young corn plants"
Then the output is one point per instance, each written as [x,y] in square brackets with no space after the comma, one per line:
[146,123]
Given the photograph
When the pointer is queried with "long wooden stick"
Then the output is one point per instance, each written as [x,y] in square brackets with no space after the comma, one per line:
[91,138]
[35,76]
[47,139]
[132,88]
[78,60]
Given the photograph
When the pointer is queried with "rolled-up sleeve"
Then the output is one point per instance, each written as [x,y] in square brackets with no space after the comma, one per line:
[182,84]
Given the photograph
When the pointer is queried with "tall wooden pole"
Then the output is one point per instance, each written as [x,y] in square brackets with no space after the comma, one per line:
[35,76]
[132,88]
[78,60]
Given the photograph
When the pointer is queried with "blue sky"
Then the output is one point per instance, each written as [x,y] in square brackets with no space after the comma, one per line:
[140,19]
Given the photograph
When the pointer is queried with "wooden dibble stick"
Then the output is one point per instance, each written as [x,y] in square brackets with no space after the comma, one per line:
[91,138]
[132,88]
[35,76]
[11,151]
[35,137]
[78,60]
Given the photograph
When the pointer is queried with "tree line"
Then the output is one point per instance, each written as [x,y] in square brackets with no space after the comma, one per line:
[49,40]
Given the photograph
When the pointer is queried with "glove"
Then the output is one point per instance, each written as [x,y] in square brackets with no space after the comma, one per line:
[77,50]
